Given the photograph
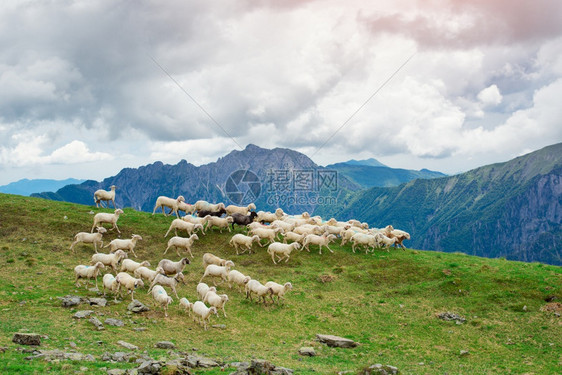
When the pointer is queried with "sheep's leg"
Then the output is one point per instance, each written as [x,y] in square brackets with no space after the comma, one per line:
[176,293]
[168,232]
[287,258]
[133,251]
[73,244]
[272,257]
[165,251]
[331,251]
[132,295]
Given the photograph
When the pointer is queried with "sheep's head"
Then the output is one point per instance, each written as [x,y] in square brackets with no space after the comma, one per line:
[253,215]
[99,265]
[113,187]
[229,264]
[180,278]
[160,270]
[224,297]
[145,263]
[213,310]
[180,199]
[305,215]
[184,261]
[194,237]
[296,245]
[220,206]
[139,283]
[246,280]
[288,286]
[119,211]
[255,238]
[229,219]
[101,230]
[169,300]
[251,206]
[136,237]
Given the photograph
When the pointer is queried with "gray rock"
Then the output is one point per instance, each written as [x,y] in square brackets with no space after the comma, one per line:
[207,362]
[58,355]
[27,339]
[448,316]
[93,290]
[464,353]
[114,322]
[149,367]
[282,371]
[219,326]
[307,351]
[69,301]
[379,369]
[336,341]
[116,371]
[96,322]
[82,314]
[139,329]
[137,307]
[98,301]
[177,366]
[127,345]
[72,344]
[165,345]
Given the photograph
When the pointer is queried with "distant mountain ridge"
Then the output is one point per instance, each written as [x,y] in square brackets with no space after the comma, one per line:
[371,162]
[27,187]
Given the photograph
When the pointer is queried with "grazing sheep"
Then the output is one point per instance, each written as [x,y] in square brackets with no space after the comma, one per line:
[400,236]
[128,244]
[240,219]
[104,195]
[171,203]
[361,239]
[104,217]
[238,278]
[183,225]
[292,236]
[203,289]
[202,313]
[232,209]
[161,297]
[95,238]
[171,268]
[219,222]
[245,242]
[323,240]
[87,272]
[254,286]
[218,213]
[218,271]
[186,207]
[282,250]
[171,282]
[278,289]
[109,259]
[188,306]
[216,300]
[129,282]
[147,274]
[111,284]
[265,234]
[182,242]
[209,258]
[129,265]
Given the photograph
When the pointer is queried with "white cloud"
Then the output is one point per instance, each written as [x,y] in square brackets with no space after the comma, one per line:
[490,96]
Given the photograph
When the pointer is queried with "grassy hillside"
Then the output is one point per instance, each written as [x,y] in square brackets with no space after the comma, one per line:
[387,301]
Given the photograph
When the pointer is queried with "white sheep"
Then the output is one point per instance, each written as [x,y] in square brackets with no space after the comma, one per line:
[104,195]
[384,241]
[314,239]
[203,313]
[232,209]
[218,271]
[362,239]
[196,220]
[219,222]
[331,229]
[171,282]
[265,234]
[254,286]
[238,278]
[292,236]
[147,274]
[95,238]
[127,244]
[182,242]
[282,250]
[203,289]
[278,289]
[111,284]
[188,306]
[129,265]
[269,217]
[307,229]
[161,297]
[129,282]
[104,217]
[400,236]
[216,300]
[109,259]
[206,206]
[186,207]
[171,267]
[346,234]
[255,224]
[285,226]
[209,258]
[87,272]
[171,203]
[245,242]
[183,225]
[357,223]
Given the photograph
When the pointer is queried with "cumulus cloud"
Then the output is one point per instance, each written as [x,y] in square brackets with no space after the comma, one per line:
[490,96]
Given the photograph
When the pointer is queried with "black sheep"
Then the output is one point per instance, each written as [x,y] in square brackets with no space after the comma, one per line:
[243,220]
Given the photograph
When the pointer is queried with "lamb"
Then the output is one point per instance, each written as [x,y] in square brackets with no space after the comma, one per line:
[202,312]
[128,244]
[186,207]
[245,242]
[171,268]
[400,236]
[232,209]
[109,259]
[129,265]
[171,203]
[181,242]
[172,282]
[216,300]
[265,233]
[104,217]
[240,219]
[203,289]
[323,240]
[384,241]
[104,195]
[95,238]
[188,306]
[87,272]
[209,258]
[183,225]
[292,236]
[278,289]
[282,250]
[238,278]
[221,223]
[147,274]
[254,286]
[161,297]
[268,217]
[218,271]
[110,283]
[367,240]
[129,282]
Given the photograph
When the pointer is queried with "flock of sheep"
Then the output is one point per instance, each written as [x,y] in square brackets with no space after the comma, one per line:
[263,228]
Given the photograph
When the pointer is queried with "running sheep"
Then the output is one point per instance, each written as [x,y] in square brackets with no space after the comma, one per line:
[202,313]
[314,239]
[104,195]
[171,282]
[128,244]
[216,300]
[218,271]
[171,267]
[245,242]
[238,278]
[183,243]
[181,224]
[104,217]
[87,272]
[171,203]
[129,265]
[85,237]
[109,259]
[254,286]
[147,274]
[278,289]
[128,282]
[282,250]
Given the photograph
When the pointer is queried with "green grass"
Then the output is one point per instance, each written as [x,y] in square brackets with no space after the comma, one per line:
[386,301]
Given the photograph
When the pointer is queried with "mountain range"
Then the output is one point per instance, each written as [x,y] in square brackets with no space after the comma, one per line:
[27,187]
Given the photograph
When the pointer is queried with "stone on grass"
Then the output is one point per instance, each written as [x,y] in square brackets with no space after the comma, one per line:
[114,322]
[127,345]
[27,339]
[378,369]
[165,345]
[82,314]
[307,351]
[116,371]
[149,367]
[464,353]
[96,322]
[98,301]
[69,301]
[336,341]
[448,316]
[137,306]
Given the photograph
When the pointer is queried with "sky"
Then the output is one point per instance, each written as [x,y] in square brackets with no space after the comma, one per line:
[90,87]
